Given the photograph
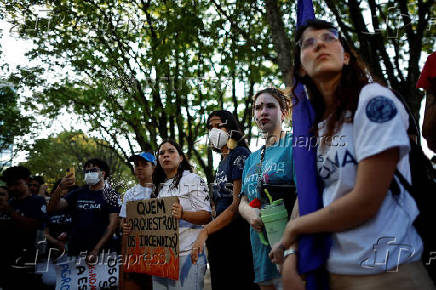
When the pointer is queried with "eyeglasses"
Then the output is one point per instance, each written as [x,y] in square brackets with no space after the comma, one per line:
[327,37]
[95,169]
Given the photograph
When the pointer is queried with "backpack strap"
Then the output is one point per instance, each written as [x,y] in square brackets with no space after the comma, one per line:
[413,123]
[413,129]
[394,185]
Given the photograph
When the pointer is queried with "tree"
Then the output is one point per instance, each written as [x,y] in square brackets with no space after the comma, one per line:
[51,157]
[12,122]
[401,30]
[144,71]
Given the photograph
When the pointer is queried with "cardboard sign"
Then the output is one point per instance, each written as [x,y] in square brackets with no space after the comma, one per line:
[153,245]
[76,274]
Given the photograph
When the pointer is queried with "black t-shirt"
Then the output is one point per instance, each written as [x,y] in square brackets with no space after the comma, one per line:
[32,206]
[90,217]
[22,240]
[7,230]
[229,169]
[58,223]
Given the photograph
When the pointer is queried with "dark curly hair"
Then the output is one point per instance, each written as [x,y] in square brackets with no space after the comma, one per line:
[354,77]
[12,174]
[101,164]
[159,175]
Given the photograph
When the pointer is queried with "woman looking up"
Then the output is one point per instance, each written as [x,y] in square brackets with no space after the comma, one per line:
[375,245]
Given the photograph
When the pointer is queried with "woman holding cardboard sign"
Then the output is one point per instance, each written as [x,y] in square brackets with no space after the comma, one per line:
[173,176]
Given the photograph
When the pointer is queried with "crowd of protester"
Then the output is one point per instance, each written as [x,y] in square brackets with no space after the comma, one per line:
[358,205]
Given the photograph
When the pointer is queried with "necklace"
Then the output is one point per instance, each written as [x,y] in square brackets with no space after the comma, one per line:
[259,172]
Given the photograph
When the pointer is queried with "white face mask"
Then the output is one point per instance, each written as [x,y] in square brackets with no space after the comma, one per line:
[92,178]
[218,138]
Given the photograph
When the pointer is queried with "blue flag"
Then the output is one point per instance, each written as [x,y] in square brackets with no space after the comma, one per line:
[313,249]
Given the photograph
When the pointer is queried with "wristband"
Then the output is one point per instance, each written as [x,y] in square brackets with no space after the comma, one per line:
[289,252]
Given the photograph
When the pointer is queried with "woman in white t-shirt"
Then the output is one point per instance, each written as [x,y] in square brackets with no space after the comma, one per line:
[144,162]
[173,176]
[374,242]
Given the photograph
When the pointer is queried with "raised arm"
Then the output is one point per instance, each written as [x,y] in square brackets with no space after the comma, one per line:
[57,202]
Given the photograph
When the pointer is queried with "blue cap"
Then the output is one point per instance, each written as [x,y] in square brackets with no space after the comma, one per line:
[147,156]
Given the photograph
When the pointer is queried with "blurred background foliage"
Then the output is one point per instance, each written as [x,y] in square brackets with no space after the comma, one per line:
[138,72]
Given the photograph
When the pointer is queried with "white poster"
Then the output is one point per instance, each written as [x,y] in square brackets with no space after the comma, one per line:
[77,274]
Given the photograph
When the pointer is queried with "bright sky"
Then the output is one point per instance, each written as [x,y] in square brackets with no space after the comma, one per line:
[13,54]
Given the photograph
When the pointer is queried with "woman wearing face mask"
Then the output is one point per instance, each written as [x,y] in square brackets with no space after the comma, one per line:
[227,236]
[272,164]
[173,176]
[374,242]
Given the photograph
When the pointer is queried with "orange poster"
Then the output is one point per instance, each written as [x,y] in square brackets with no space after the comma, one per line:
[153,245]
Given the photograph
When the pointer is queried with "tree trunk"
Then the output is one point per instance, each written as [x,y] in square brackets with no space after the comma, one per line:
[280,39]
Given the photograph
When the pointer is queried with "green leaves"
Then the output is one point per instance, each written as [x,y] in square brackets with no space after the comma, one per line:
[12,121]
[140,71]
[51,156]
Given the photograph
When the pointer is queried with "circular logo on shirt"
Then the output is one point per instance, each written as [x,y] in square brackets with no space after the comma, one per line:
[240,161]
[380,109]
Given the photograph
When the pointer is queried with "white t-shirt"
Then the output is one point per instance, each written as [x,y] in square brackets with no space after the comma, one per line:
[193,196]
[138,192]
[388,239]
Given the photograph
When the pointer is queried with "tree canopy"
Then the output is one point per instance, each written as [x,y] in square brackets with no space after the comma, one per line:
[12,121]
[142,71]
[50,157]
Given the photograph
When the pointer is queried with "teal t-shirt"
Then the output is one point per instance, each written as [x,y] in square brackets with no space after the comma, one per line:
[277,168]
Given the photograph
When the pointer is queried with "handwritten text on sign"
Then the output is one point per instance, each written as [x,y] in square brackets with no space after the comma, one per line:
[77,274]
[153,245]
